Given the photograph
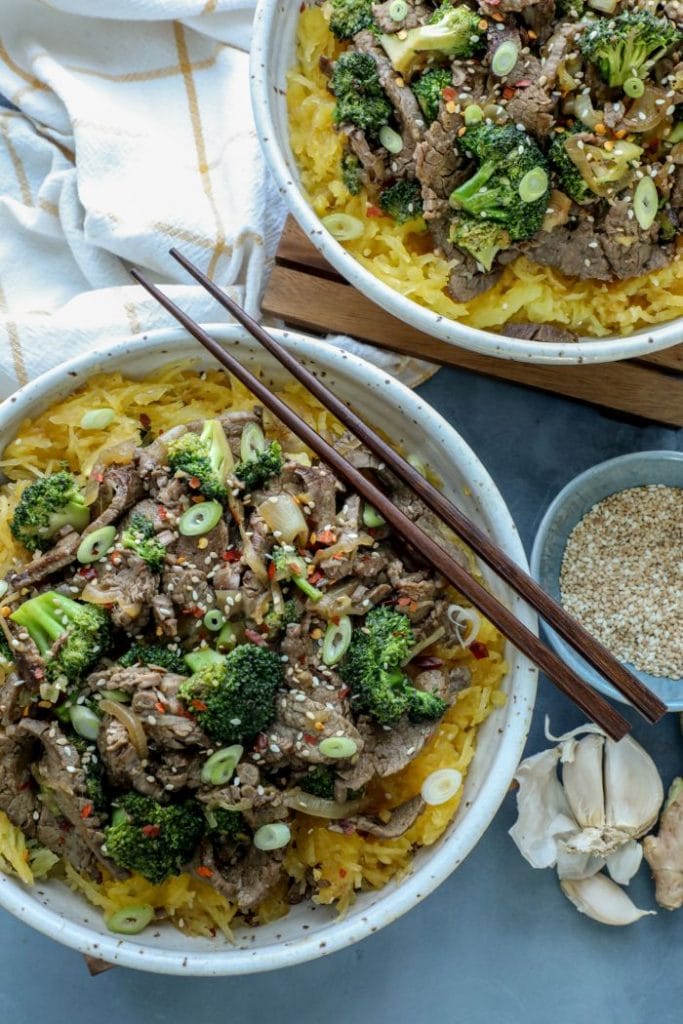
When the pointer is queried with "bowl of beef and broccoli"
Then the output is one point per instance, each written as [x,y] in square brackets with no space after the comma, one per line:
[506,176]
[241,725]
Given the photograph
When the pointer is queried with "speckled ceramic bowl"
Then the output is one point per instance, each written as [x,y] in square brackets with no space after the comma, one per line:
[568,508]
[307,932]
[272,56]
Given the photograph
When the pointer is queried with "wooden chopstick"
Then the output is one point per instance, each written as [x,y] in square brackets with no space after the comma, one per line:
[591,703]
[643,699]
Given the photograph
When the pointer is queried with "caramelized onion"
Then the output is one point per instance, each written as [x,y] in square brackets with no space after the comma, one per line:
[558,210]
[582,108]
[317,807]
[347,545]
[424,644]
[284,517]
[249,553]
[120,454]
[645,113]
[608,182]
[132,724]
[95,593]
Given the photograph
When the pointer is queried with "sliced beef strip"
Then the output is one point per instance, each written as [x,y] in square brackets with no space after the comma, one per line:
[295,734]
[18,798]
[170,728]
[28,660]
[57,558]
[318,488]
[164,615]
[347,528]
[674,10]
[12,697]
[402,818]
[123,765]
[438,168]
[188,549]
[187,587]
[121,488]
[541,332]
[128,680]
[466,281]
[235,422]
[559,45]
[373,162]
[248,878]
[630,250]
[418,14]
[133,586]
[540,18]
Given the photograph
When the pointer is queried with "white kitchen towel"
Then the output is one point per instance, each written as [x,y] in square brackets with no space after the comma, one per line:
[132,133]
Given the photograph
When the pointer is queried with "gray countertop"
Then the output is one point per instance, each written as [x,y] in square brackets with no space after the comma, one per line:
[498,943]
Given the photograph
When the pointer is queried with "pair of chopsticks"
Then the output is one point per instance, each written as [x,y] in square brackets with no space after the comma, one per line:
[591,703]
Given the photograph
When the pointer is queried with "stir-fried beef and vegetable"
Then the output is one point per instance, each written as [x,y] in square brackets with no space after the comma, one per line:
[552,128]
[205,642]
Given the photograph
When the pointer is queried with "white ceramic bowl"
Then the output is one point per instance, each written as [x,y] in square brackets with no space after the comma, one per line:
[307,932]
[272,56]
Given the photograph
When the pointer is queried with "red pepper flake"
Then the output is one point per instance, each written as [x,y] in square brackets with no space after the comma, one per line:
[231,555]
[151,831]
[338,556]
[522,83]
[449,93]
[342,872]
[204,872]
[116,558]
[316,577]
[479,650]
[99,477]
[194,482]
[161,708]
[199,705]
[271,571]
[344,692]
[88,572]
[311,740]
[427,661]
[261,742]
[195,611]
[373,211]
[404,601]
[326,537]
[86,811]
[145,421]
[508,92]
[38,673]
[256,638]
[161,512]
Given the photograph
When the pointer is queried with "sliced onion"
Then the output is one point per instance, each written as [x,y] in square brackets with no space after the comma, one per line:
[345,546]
[343,226]
[132,724]
[424,643]
[464,617]
[95,593]
[117,454]
[441,786]
[607,184]
[645,202]
[284,517]
[557,211]
[272,837]
[645,112]
[582,107]
[318,807]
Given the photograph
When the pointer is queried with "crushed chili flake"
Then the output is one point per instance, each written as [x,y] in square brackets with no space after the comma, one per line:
[256,638]
[326,537]
[88,572]
[161,512]
[86,811]
[344,692]
[194,483]
[404,601]
[316,577]
[161,708]
[522,83]
[151,831]
[427,661]
[449,93]
[231,555]
[508,92]
[271,571]
[311,740]
[145,421]
[115,558]
[342,872]
[373,211]
[261,742]
[204,872]
[199,705]
[99,477]
[479,650]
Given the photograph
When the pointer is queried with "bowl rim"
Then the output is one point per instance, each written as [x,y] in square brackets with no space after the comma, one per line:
[596,350]
[564,650]
[18,899]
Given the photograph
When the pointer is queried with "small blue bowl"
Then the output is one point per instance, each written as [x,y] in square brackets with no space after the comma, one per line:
[571,505]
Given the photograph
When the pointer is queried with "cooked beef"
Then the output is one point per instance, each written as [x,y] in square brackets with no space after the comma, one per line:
[674,10]
[124,766]
[164,615]
[630,250]
[402,818]
[57,558]
[466,281]
[164,718]
[438,168]
[417,13]
[234,424]
[18,797]
[12,695]
[27,658]
[299,726]
[540,332]
[132,586]
[373,162]
[121,488]
[187,587]
[127,680]
[246,878]
[202,552]
[317,487]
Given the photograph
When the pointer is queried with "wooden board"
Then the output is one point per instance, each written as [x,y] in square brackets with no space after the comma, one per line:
[306,292]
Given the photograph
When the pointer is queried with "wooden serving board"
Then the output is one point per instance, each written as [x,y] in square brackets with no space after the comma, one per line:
[306,292]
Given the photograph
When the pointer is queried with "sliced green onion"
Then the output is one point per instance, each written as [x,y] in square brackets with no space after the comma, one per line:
[272,837]
[214,620]
[343,226]
[634,87]
[505,58]
[96,544]
[202,658]
[118,696]
[97,419]
[441,786]
[130,920]
[533,185]
[227,638]
[676,134]
[311,592]
[252,441]
[371,517]
[4,587]
[398,10]
[473,114]
[336,641]
[220,767]
[338,747]
[390,139]
[119,816]
[200,518]
[645,202]
[85,722]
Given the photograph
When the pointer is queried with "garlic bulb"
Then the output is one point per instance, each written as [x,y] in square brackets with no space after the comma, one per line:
[601,899]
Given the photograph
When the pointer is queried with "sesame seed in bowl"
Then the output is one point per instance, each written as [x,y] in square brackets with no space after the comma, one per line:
[610,549]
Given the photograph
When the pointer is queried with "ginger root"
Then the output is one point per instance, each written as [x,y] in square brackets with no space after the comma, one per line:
[664,852]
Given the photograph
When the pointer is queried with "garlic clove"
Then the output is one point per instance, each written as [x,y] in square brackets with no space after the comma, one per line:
[573,864]
[582,781]
[602,900]
[624,862]
[543,811]
[633,788]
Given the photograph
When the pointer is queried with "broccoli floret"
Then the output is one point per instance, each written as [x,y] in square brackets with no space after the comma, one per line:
[351,169]
[46,506]
[360,97]
[607,170]
[6,653]
[319,781]
[234,697]
[291,566]
[451,32]
[568,174]
[84,632]
[372,669]
[226,824]
[428,89]
[402,201]
[350,16]
[140,536]
[505,155]
[155,654]
[256,471]
[571,8]
[278,621]
[482,239]
[95,780]
[154,840]
[627,46]
[206,457]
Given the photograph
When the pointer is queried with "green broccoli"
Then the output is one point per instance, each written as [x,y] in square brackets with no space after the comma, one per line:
[571,8]
[83,631]
[402,201]
[224,824]
[482,239]
[291,566]
[6,653]
[450,32]
[604,171]
[373,670]
[319,781]
[234,698]
[277,622]
[351,169]
[568,175]
[167,657]
[507,159]
[350,16]
[204,457]
[45,507]
[95,779]
[140,536]
[628,45]
[152,839]
[428,89]
[257,470]
[360,97]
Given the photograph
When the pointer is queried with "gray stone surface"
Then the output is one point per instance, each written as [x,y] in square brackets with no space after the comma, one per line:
[497,943]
